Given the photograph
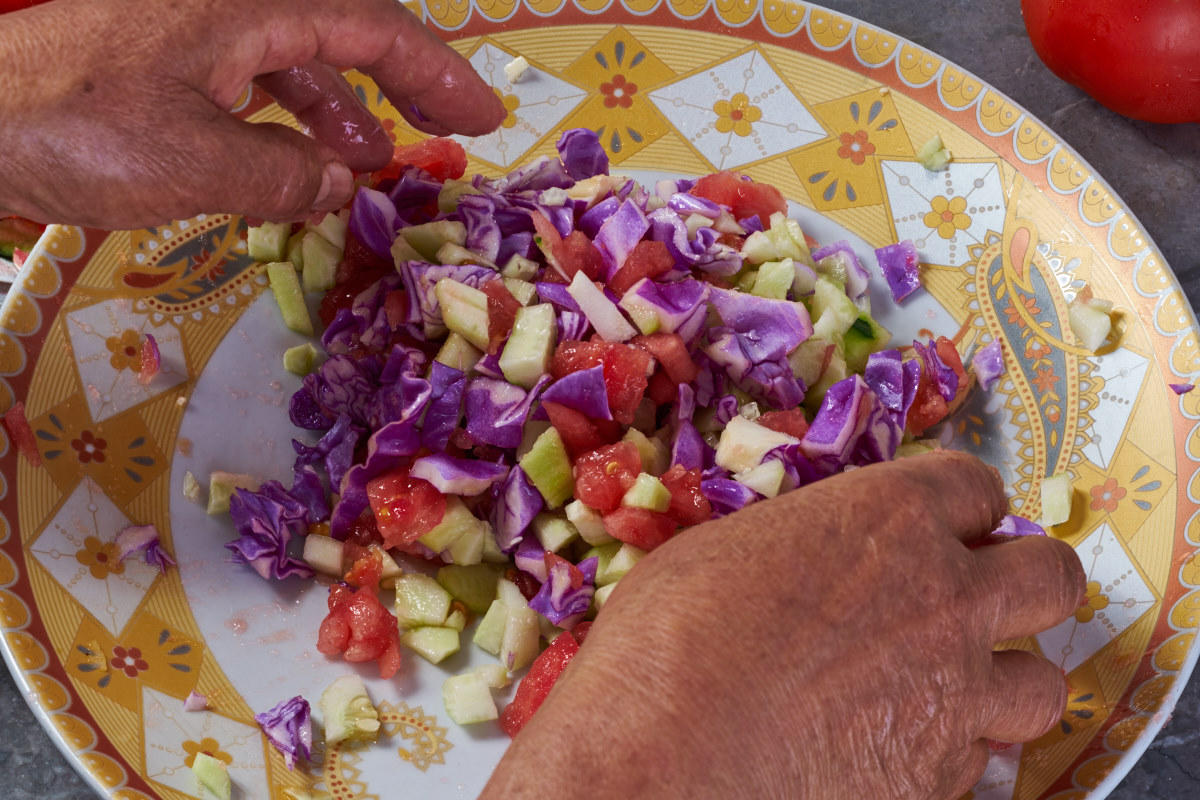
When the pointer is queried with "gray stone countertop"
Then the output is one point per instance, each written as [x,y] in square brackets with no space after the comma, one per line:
[1155,169]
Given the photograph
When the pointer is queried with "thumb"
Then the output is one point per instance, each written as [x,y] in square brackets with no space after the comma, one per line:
[267,170]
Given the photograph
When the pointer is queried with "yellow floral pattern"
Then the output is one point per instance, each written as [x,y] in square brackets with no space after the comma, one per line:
[736,114]
[946,215]
[209,746]
[511,104]
[1093,602]
[126,350]
[101,558]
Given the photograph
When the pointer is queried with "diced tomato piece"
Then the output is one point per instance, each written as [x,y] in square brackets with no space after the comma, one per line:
[358,269]
[22,435]
[648,259]
[367,569]
[502,312]
[441,157]
[604,475]
[538,682]
[151,360]
[688,506]
[576,253]
[948,353]
[744,198]
[639,527]
[672,355]
[361,629]
[793,422]
[579,433]
[551,559]
[928,407]
[405,508]
[395,307]
[528,584]
[546,237]
[662,390]
[626,371]
[580,631]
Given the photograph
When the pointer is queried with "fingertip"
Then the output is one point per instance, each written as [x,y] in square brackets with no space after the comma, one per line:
[337,185]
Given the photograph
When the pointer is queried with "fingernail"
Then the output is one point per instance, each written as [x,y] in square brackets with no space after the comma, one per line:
[336,184]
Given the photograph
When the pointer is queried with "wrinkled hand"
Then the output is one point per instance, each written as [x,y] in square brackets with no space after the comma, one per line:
[115,113]
[836,642]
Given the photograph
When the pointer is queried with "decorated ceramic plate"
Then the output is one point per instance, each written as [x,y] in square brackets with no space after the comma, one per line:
[828,109]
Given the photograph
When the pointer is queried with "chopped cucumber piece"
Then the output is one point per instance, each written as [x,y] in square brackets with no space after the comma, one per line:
[468,699]
[808,361]
[601,595]
[192,489]
[933,155]
[289,297]
[403,252]
[518,267]
[464,310]
[332,228]
[864,337]
[766,478]
[295,249]
[434,644]
[758,248]
[468,548]
[833,311]
[457,620]
[548,467]
[324,554]
[774,279]
[1090,324]
[744,281]
[220,489]
[588,522]
[457,352]
[622,562]
[744,443]
[655,455]
[647,492]
[519,646]
[420,601]
[268,242]
[603,554]
[835,371]
[473,585]
[526,355]
[524,291]
[494,675]
[389,569]
[428,238]
[529,435]
[787,236]
[918,447]
[508,593]
[451,253]
[450,193]
[321,260]
[457,522]
[348,712]
[492,553]
[554,531]
[1057,493]
[299,360]
[490,632]
[515,70]
[212,775]
[643,313]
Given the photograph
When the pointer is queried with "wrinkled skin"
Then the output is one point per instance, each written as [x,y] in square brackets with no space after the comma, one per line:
[115,113]
[846,652]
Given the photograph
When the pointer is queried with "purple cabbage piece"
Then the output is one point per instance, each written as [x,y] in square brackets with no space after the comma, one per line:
[447,385]
[685,204]
[1016,525]
[497,410]
[143,539]
[341,385]
[894,381]
[461,476]
[308,489]
[583,390]
[857,278]
[727,408]
[572,325]
[619,234]
[517,502]
[557,294]
[267,521]
[478,213]
[681,307]
[541,173]
[420,280]
[768,329]
[559,601]
[335,449]
[1181,388]
[752,224]
[489,366]
[727,495]
[365,324]
[881,434]
[689,448]
[942,373]
[387,448]
[530,557]
[519,243]
[591,220]
[288,727]
[402,394]
[373,221]
[797,468]
[770,380]
[838,424]
[582,154]
[704,252]
[988,364]
[899,265]
[413,194]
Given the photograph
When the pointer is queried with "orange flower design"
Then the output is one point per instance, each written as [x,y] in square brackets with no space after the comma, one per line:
[946,215]
[1107,496]
[856,147]
[389,125]
[1014,315]
[209,746]
[1045,379]
[89,447]
[129,660]
[1037,349]
[736,114]
[101,558]
[511,104]
[126,350]
[618,92]
[1093,602]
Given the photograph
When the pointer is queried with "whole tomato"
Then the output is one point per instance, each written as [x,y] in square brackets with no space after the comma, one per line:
[1141,58]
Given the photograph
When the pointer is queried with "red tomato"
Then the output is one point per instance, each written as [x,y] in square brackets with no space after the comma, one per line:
[928,408]
[528,584]
[538,682]
[604,475]
[626,371]
[358,269]
[441,157]
[744,198]
[1140,58]
[672,355]
[648,259]
[579,433]
[793,422]
[502,312]
[361,629]
[689,506]
[19,231]
[367,568]
[662,390]
[395,307]
[576,253]
[405,508]
[580,631]
[639,527]
[22,435]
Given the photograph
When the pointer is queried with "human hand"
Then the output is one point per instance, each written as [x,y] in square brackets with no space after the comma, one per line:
[835,642]
[115,114]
